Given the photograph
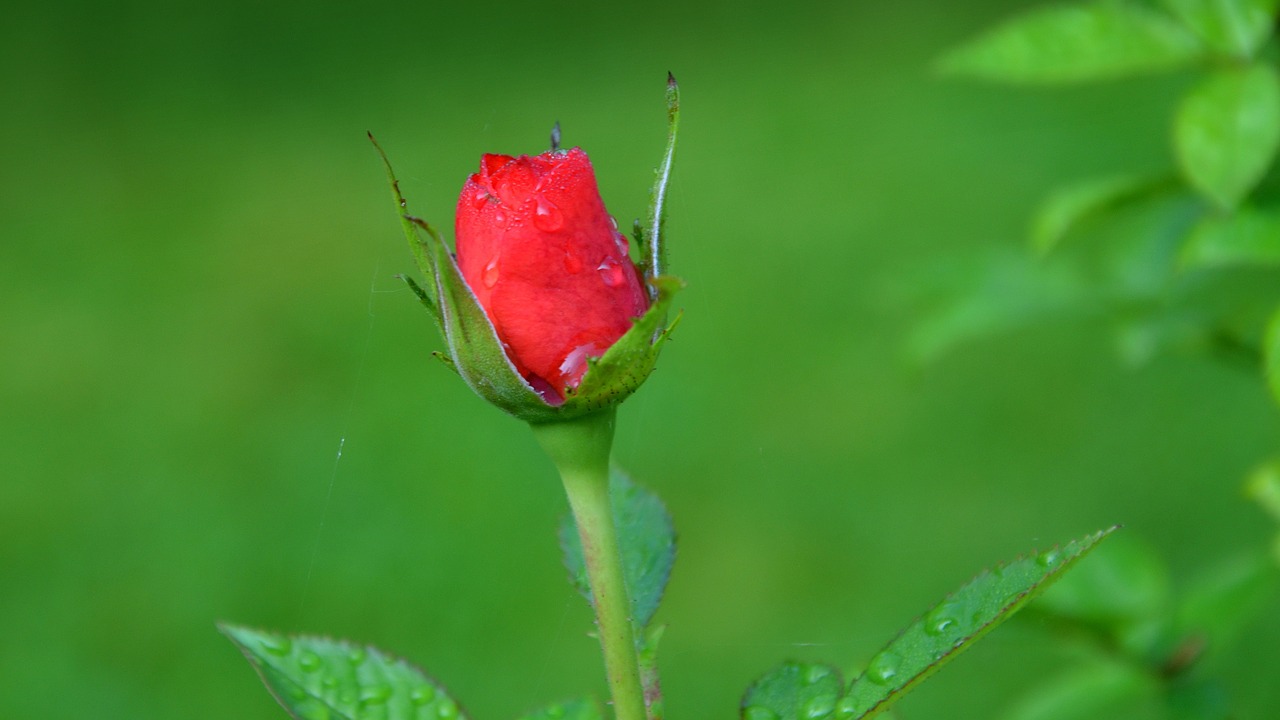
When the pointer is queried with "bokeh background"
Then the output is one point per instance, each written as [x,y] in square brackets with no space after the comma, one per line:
[217,402]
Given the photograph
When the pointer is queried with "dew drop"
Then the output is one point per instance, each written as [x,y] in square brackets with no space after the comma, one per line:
[613,221]
[846,708]
[624,247]
[575,362]
[490,275]
[1048,558]
[572,263]
[422,695]
[499,217]
[759,712]
[820,707]
[375,694]
[940,620]
[883,668]
[309,661]
[611,272]
[277,646]
[329,681]
[546,216]
[447,710]
[817,673]
[357,656]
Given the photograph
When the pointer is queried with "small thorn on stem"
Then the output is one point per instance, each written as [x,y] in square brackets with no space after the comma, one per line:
[555,137]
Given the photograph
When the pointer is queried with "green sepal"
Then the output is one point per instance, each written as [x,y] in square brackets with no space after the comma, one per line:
[794,691]
[320,679]
[647,542]
[612,378]
[653,261]
[955,624]
[579,709]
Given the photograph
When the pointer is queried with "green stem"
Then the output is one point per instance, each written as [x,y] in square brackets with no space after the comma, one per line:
[580,450]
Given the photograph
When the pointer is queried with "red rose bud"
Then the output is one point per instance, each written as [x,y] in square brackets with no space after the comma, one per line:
[541,310]
[548,265]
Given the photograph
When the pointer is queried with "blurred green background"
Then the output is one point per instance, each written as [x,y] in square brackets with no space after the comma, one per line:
[216,401]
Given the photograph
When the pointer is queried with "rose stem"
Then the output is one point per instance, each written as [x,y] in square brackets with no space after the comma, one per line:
[580,450]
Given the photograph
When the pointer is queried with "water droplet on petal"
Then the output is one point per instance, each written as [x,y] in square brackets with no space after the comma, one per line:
[576,361]
[309,661]
[546,216]
[572,263]
[611,272]
[490,275]
[480,198]
[624,247]
[422,695]
[820,707]
[499,217]
[940,619]
[613,221]
[883,668]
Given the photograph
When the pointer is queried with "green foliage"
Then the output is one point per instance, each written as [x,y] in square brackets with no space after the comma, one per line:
[1070,206]
[1227,130]
[320,679]
[1231,27]
[580,709]
[1247,237]
[1076,43]
[794,691]
[647,540]
[1272,355]
[803,691]
[1098,689]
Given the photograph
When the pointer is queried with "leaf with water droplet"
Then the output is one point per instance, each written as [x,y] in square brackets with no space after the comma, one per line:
[320,679]
[580,709]
[793,691]
[954,625]
[646,539]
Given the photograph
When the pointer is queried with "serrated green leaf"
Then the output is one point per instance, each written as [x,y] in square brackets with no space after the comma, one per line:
[955,624]
[1067,207]
[1227,130]
[1076,43]
[580,709]
[793,691]
[1231,27]
[1222,602]
[646,539]
[1271,355]
[1101,689]
[1246,237]
[321,679]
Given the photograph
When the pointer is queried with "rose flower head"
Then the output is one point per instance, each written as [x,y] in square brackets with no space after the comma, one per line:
[548,265]
[542,309]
